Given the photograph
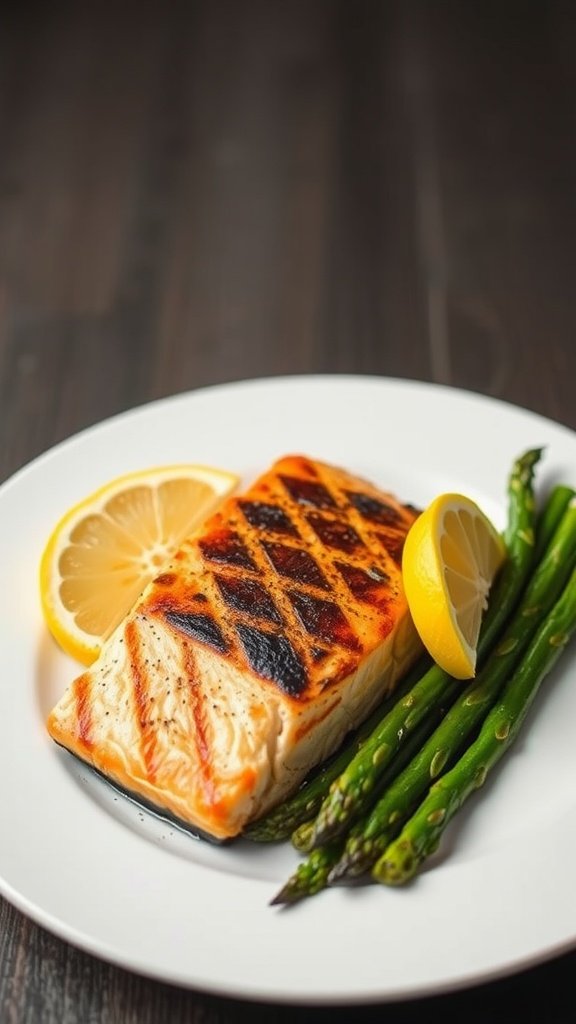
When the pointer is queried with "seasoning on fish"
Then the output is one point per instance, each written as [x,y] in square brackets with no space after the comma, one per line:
[276,629]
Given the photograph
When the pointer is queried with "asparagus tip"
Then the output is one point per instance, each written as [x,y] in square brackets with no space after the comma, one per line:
[286,896]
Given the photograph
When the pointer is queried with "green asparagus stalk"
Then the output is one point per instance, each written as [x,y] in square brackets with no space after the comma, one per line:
[369,838]
[422,833]
[281,822]
[353,792]
[310,876]
[556,505]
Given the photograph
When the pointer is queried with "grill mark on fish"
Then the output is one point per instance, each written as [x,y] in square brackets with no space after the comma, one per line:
[324,620]
[248,596]
[197,711]
[273,657]
[335,534]
[367,585]
[139,673]
[375,510]
[265,516]
[199,627]
[394,544]
[297,564]
[82,691]
[225,547]
[308,492]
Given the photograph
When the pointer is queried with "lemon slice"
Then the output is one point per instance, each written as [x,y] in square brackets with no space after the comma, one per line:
[102,553]
[451,556]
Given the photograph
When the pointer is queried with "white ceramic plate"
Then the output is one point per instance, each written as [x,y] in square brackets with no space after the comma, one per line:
[105,876]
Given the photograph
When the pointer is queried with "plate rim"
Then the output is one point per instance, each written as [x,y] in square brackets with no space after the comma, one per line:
[141,408]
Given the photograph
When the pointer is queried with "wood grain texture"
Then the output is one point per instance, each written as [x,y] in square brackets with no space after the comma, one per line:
[203,191]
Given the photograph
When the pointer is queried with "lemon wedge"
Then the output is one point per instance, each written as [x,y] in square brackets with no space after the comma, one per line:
[451,556]
[102,552]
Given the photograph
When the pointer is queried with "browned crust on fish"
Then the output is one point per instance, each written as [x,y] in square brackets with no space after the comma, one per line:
[294,581]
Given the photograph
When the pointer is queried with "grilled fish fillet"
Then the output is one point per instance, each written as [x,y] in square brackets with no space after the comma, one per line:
[275,630]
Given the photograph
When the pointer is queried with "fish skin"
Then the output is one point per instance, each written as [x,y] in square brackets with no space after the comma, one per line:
[276,629]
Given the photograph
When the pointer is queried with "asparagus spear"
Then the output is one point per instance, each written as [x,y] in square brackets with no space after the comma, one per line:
[311,875]
[352,793]
[556,505]
[421,835]
[369,838]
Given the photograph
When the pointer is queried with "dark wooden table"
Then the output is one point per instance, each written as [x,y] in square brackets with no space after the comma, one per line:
[195,192]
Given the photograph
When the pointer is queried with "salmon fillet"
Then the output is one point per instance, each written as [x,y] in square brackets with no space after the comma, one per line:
[276,629]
